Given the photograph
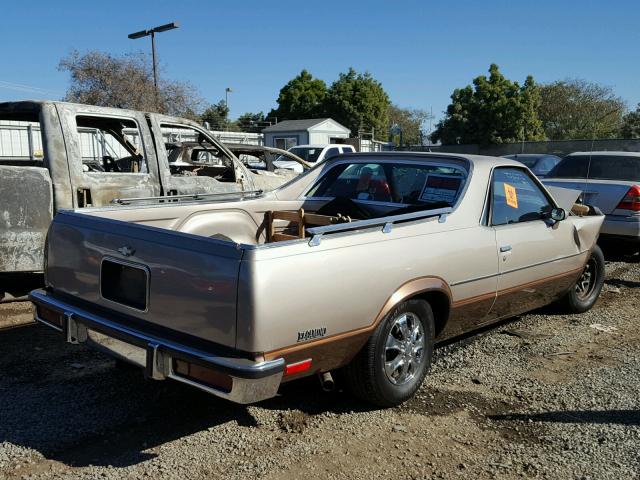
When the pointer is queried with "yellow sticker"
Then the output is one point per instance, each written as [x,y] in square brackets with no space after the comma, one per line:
[512,196]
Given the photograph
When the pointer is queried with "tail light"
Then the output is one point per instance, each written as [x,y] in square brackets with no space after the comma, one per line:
[631,200]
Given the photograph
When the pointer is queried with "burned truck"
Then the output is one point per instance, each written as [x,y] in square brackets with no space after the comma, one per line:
[57,155]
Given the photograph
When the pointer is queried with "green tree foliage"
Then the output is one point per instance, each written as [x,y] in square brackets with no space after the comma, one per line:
[251,122]
[577,109]
[410,122]
[303,97]
[217,116]
[631,124]
[493,110]
[359,102]
[126,81]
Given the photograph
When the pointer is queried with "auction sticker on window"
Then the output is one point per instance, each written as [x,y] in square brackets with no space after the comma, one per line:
[441,188]
[512,196]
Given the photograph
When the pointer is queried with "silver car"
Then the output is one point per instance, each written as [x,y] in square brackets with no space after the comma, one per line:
[609,181]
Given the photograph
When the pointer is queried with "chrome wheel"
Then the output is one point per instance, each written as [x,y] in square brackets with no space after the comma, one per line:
[404,349]
[587,281]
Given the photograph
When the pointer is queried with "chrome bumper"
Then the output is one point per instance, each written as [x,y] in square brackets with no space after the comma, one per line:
[251,382]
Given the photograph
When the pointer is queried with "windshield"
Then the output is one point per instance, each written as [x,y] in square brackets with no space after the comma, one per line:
[310,154]
[603,167]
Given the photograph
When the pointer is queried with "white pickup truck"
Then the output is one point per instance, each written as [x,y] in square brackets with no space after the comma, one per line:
[312,154]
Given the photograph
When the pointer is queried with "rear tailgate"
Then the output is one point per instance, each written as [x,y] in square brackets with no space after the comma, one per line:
[155,277]
[604,194]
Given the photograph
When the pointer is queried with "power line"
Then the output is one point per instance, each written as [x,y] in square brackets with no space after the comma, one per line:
[25,88]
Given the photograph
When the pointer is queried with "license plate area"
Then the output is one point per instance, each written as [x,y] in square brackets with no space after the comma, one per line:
[125,283]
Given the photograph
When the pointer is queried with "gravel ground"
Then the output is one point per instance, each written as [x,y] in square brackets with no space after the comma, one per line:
[542,396]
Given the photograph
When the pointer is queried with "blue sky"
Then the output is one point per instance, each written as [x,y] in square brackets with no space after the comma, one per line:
[419,50]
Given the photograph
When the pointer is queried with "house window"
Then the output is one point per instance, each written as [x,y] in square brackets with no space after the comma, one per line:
[285,143]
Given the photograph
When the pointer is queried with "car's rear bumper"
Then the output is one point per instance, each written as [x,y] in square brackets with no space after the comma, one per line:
[234,378]
[616,226]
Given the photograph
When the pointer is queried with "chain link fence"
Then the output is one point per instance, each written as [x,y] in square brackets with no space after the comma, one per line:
[558,147]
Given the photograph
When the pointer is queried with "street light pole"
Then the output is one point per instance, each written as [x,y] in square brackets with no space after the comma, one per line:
[227,91]
[152,32]
[155,65]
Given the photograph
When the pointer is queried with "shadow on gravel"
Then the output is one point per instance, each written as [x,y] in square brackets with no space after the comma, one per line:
[18,285]
[620,252]
[617,282]
[73,406]
[620,417]
[70,403]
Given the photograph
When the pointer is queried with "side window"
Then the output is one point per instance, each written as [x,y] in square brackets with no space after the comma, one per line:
[331,152]
[190,154]
[347,149]
[516,198]
[110,145]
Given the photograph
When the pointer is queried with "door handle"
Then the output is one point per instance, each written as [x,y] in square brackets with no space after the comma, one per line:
[505,248]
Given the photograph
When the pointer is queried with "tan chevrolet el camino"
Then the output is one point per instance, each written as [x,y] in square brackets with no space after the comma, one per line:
[361,264]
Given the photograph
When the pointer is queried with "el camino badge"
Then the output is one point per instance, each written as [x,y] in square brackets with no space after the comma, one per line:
[312,334]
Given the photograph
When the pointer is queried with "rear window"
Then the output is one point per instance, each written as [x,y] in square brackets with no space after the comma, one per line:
[21,138]
[601,167]
[399,183]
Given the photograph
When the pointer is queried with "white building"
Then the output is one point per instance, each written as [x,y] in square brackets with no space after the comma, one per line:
[314,131]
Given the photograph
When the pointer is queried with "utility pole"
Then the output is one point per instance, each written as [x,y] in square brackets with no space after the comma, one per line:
[152,32]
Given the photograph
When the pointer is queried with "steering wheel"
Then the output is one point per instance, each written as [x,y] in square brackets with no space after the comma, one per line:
[109,164]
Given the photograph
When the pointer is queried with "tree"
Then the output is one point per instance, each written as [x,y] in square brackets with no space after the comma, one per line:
[577,109]
[251,122]
[217,116]
[302,97]
[408,121]
[493,110]
[359,102]
[631,124]
[126,81]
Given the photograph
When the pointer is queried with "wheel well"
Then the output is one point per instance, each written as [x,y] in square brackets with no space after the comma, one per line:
[439,302]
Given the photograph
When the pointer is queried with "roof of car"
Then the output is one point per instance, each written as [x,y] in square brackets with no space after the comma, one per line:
[477,160]
[514,156]
[607,153]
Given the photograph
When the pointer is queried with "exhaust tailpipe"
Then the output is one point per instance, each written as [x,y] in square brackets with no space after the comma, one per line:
[326,382]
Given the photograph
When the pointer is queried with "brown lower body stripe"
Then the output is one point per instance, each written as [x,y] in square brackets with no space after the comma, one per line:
[465,315]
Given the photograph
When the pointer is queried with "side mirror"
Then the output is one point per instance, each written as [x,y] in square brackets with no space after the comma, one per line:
[558,214]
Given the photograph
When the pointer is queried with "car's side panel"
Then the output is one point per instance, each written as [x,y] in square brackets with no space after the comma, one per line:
[359,277]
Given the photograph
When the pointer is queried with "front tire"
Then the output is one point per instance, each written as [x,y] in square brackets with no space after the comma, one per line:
[393,363]
[584,294]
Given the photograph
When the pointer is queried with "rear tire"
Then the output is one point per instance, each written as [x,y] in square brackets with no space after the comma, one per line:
[584,294]
[393,363]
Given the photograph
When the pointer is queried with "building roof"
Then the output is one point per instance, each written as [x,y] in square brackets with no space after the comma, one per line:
[304,124]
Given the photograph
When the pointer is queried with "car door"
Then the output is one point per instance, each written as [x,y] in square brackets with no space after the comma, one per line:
[233,177]
[539,258]
[110,154]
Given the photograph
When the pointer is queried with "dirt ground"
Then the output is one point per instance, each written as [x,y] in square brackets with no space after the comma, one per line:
[546,395]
